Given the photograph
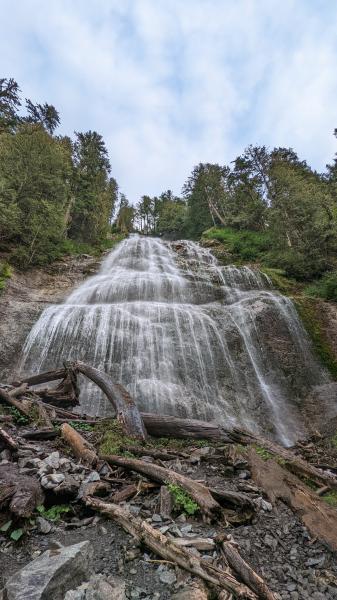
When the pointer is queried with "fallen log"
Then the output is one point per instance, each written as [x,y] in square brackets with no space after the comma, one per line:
[19,493]
[167,426]
[18,391]
[5,397]
[81,448]
[40,434]
[7,440]
[127,413]
[200,493]
[279,484]
[246,573]
[291,461]
[42,377]
[168,550]
[158,454]
[124,494]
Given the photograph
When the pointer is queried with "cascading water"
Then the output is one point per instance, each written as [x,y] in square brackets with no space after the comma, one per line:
[185,336]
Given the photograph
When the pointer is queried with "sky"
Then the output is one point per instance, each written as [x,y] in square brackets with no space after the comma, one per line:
[171,83]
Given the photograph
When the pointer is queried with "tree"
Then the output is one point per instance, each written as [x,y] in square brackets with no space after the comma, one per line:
[46,114]
[125,216]
[34,188]
[9,104]
[95,193]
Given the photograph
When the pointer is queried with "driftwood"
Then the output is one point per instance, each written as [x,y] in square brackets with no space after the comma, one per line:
[18,391]
[168,550]
[278,483]
[19,493]
[122,495]
[5,397]
[200,493]
[157,454]
[167,426]
[7,440]
[81,448]
[43,377]
[40,434]
[290,460]
[246,573]
[126,409]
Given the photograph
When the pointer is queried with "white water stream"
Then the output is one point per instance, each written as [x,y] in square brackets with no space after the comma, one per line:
[183,334]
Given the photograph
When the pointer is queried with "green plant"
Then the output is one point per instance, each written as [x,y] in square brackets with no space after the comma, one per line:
[182,500]
[263,453]
[54,513]
[5,274]
[331,498]
[325,288]
[242,244]
[18,417]
[15,534]
[81,426]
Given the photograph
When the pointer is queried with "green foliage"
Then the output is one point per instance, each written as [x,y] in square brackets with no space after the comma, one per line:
[325,288]
[263,453]
[5,274]
[81,426]
[309,311]
[331,498]
[243,245]
[182,501]
[18,417]
[16,534]
[54,513]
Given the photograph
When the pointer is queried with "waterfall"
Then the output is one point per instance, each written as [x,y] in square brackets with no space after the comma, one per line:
[185,336]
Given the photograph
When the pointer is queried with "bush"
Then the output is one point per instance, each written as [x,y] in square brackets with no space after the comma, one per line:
[325,288]
[245,245]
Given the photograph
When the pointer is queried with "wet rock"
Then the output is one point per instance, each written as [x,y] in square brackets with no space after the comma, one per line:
[52,574]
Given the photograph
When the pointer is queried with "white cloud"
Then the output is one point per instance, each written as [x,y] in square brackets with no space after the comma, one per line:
[171,83]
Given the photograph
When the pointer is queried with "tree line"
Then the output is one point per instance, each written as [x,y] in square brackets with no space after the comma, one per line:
[55,193]
[289,209]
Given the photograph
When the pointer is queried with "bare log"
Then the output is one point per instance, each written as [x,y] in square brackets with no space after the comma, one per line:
[167,426]
[20,493]
[278,483]
[200,493]
[246,573]
[5,397]
[125,494]
[158,454]
[81,448]
[43,377]
[127,412]
[168,550]
[7,440]
[18,391]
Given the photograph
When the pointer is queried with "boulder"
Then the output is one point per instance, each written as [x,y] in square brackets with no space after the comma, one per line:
[52,574]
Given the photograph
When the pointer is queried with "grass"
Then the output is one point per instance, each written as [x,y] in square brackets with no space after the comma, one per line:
[331,498]
[182,501]
[243,245]
[308,310]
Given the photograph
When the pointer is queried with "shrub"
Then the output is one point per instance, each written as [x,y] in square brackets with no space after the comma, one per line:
[182,500]
[244,244]
[325,288]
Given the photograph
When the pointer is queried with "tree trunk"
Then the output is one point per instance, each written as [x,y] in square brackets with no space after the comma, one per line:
[200,493]
[81,448]
[168,550]
[127,412]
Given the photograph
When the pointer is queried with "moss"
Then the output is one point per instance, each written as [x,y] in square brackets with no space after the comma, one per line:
[308,309]
[112,439]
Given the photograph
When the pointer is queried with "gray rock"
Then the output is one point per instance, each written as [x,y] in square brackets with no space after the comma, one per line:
[52,574]
[52,480]
[43,525]
[168,577]
[99,588]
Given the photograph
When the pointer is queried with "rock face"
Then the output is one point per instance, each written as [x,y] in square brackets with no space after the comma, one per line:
[26,296]
[187,337]
[52,574]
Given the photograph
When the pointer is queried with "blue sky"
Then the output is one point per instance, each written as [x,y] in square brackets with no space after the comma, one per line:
[170,83]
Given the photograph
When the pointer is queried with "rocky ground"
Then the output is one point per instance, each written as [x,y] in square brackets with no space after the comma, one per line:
[271,539]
